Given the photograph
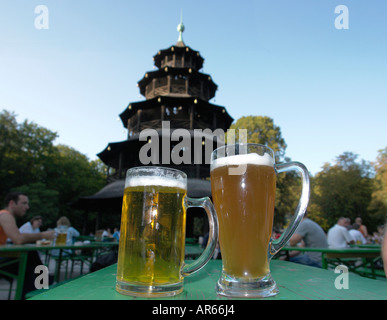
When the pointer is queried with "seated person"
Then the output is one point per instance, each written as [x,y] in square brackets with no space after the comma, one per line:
[32,226]
[311,235]
[16,205]
[338,235]
[356,235]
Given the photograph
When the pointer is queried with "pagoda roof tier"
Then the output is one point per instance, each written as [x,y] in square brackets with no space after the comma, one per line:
[200,106]
[178,76]
[160,58]
[126,154]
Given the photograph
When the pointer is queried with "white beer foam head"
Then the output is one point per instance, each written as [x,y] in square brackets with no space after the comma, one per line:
[154,181]
[241,159]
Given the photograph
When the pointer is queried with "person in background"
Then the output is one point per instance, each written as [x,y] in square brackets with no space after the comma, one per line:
[106,234]
[71,232]
[312,236]
[338,235]
[64,222]
[16,205]
[116,234]
[378,235]
[362,228]
[356,235]
[32,226]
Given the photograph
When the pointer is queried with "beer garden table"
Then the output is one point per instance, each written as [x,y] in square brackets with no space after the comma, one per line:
[192,251]
[295,282]
[359,259]
[20,252]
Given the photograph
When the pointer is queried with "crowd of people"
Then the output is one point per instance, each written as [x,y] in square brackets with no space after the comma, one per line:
[16,205]
[342,235]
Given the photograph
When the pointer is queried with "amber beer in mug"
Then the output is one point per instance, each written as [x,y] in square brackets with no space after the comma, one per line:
[61,236]
[152,240]
[61,239]
[243,184]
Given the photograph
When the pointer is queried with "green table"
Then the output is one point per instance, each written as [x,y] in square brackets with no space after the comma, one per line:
[368,246]
[20,252]
[367,255]
[295,282]
[193,251]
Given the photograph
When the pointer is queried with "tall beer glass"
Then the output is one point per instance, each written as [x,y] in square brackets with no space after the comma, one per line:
[243,183]
[152,240]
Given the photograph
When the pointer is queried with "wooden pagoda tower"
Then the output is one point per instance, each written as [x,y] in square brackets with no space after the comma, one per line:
[177,92]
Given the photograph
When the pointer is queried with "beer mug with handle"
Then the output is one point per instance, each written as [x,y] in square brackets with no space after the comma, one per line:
[152,236]
[243,184]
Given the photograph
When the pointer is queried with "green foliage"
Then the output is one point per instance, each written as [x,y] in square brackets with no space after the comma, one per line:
[25,150]
[53,176]
[262,130]
[378,205]
[342,189]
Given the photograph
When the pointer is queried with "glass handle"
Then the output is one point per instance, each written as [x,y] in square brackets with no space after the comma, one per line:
[206,255]
[277,245]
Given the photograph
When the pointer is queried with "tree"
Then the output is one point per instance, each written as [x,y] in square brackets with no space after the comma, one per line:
[342,189]
[53,176]
[73,176]
[262,130]
[25,152]
[378,205]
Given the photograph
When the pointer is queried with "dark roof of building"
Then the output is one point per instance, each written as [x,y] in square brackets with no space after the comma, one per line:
[196,188]
[129,149]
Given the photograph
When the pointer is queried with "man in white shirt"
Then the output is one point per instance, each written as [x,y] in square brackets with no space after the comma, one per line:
[338,235]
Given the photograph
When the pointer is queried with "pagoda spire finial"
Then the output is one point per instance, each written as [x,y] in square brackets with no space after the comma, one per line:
[180,29]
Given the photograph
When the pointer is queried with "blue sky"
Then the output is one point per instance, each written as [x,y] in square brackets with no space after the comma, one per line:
[324,87]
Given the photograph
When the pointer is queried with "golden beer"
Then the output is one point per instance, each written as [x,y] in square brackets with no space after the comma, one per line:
[61,239]
[151,248]
[245,207]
